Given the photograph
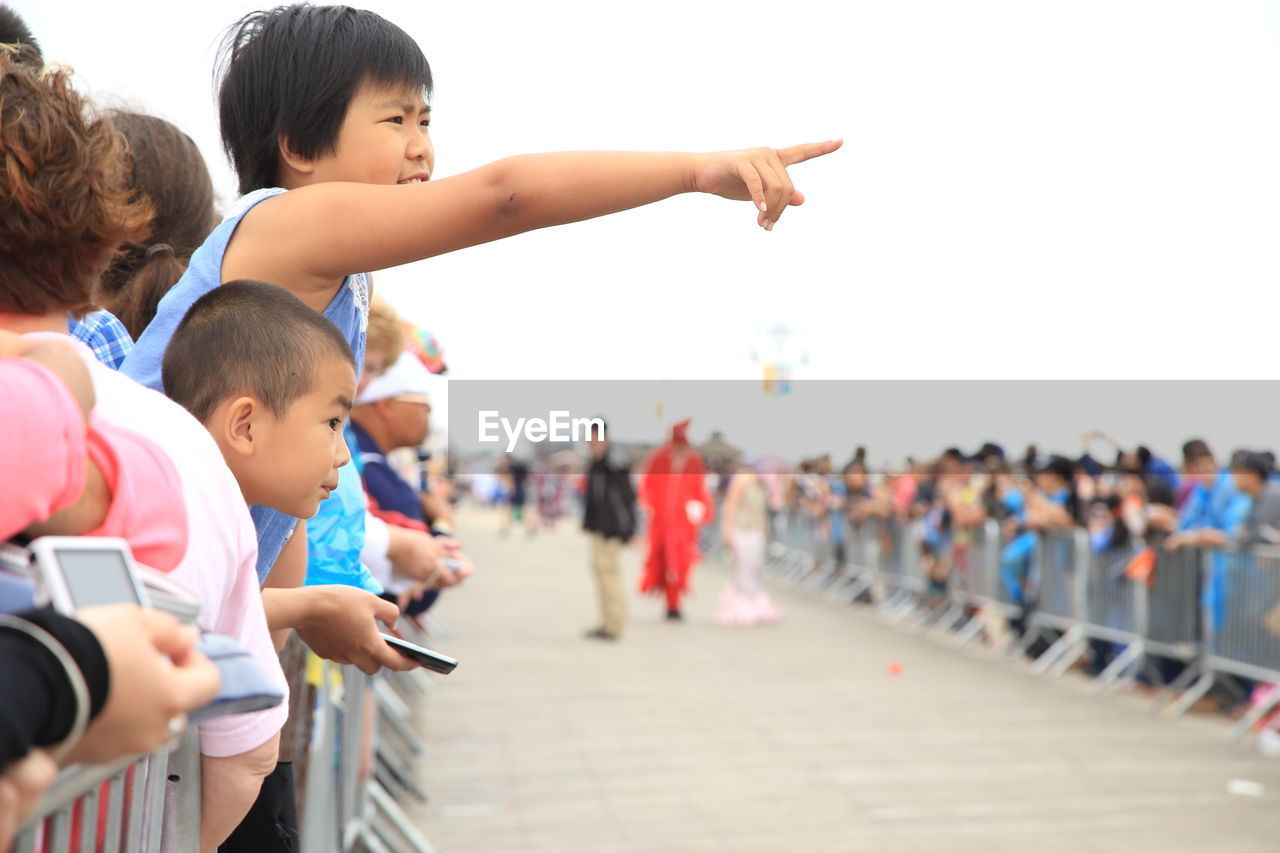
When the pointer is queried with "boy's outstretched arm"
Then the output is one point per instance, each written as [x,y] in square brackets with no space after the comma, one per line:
[308,238]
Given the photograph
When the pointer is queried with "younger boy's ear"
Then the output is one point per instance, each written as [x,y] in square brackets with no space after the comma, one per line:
[239,425]
[293,160]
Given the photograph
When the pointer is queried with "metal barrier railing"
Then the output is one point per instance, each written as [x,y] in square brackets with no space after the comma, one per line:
[858,572]
[355,777]
[1213,613]
[149,804]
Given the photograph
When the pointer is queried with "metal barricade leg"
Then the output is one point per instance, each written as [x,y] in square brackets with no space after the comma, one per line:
[115,809]
[1171,691]
[1192,695]
[153,812]
[89,822]
[1129,661]
[181,797]
[389,709]
[1255,715]
[133,828]
[390,810]
[1069,647]
[320,812]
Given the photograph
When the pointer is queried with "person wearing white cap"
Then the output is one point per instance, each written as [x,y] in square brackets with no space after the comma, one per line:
[394,411]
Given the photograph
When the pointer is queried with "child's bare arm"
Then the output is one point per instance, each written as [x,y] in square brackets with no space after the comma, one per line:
[308,238]
[228,787]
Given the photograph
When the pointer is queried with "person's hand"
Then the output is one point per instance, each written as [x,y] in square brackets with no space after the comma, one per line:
[157,676]
[463,569]
[21,786]
[758,175]
[342,626]
[415,554]
[1086,488]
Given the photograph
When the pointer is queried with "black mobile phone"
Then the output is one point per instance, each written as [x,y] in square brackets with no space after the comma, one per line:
[426,658]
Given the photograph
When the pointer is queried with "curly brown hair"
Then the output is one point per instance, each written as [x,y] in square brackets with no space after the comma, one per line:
[65,201]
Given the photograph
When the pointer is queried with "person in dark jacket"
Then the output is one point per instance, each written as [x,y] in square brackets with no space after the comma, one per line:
[610,519]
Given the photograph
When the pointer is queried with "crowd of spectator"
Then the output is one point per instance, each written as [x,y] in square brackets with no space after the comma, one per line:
[222,390]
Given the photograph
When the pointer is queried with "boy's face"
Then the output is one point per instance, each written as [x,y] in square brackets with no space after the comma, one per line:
[383,139]
[1204,470]
[298,464]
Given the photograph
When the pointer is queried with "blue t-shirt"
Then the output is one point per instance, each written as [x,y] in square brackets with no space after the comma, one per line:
[349,311]
[335,536]
[1224,507]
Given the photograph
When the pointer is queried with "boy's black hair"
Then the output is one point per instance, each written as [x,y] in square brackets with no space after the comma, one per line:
[248,337]
[1195,449]
[1262,464]
[290,72]
[14,30]
[1063,468]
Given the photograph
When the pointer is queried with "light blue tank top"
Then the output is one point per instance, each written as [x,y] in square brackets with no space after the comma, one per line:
[349,311]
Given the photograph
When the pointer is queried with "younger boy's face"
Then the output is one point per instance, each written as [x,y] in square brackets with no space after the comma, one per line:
[383,139]
[299,464]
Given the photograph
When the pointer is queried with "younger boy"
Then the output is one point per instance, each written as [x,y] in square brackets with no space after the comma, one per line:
[273,382]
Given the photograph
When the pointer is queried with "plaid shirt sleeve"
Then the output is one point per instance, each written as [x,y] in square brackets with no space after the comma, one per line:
[104,334]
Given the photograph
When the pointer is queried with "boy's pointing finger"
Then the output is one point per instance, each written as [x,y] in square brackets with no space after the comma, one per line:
[809,150]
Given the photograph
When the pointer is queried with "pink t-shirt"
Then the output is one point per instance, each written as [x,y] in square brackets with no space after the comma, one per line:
[222,546]
[45,449]
[147,507]
[42,445]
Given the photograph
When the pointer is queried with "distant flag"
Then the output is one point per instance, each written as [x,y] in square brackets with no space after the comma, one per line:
[777,379]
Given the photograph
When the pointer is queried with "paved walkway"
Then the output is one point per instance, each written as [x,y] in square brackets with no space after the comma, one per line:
[691,737]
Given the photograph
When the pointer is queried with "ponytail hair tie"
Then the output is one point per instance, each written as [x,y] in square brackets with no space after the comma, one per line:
[156,249]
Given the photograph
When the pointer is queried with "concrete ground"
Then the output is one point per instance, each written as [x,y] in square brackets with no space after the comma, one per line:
[798,737]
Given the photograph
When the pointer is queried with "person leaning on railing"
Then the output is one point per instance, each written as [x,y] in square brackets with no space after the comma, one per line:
[1253,520]
[114,681]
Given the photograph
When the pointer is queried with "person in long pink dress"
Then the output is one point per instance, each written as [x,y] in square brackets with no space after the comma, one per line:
[744,521]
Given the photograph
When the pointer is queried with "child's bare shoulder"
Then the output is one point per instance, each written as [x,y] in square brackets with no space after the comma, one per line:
[271,244]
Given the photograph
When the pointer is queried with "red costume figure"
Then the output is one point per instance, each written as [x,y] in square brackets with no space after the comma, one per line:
[674,489]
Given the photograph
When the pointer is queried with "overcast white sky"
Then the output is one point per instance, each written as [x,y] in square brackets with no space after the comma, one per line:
[1028,189]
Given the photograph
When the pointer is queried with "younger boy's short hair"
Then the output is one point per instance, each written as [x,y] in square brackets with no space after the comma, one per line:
[290,72]
[248,337]
[65,201]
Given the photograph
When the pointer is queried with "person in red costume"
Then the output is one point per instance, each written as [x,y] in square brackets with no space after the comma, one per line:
[674,490]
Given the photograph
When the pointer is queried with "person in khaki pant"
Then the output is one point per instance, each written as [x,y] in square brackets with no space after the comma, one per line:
[610,519]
